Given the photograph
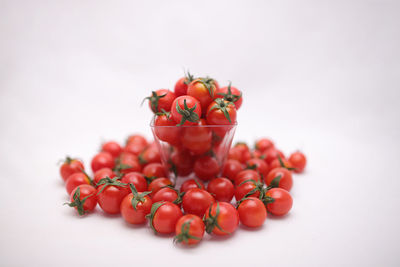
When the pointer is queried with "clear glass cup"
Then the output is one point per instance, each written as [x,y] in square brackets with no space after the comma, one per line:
[181,146]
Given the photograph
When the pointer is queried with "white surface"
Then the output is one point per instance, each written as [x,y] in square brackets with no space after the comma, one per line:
[321,76]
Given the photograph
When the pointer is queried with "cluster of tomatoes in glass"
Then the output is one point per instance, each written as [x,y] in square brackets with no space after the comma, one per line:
[131,180]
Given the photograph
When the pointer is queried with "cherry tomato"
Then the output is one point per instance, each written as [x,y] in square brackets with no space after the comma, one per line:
[167,194]
[181,85]
[102,173]
[189,229]
[206,168]
[135,206]
[245,188]
[277,164]
[196,201]
[252,212]
[203,89]
[137,139]
[112,147]
[154,170]
[221,112]
[157,184]
[264,144]
[69,167]
[137,179]
[271,154]
[279,201]
[161,100]
[128,162]
[279,177]
[102,160]
[149,155]
[298,161]
[231,168]
[134,148]
[237,153]
[258,165]
[110,193]
[197,139]
[164,216]
[83,198]
[221,218]
[190,184]
[182,162]
[247,175]
[165,129]
[76,179]
[186,110]
[221,188]
[231,94]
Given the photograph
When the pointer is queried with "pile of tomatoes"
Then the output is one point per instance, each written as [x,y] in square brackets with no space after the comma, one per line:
[132,181]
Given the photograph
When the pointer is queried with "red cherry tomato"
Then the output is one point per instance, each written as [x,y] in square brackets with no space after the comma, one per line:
[204,90]
[76,179]
[271,154]
[221,188]
[164,216]
[128,162]
[247,175]
[137,139]
[277,164]
[252,212]
[102,160]
[157,184]
[189,229]
[221,215]
[196,201]
[280,201]
[102,173]
[237,153]
[190,184]
[258,165]
[181,85]
[221,112]
[154,170]
[69,167]
[197,139]
[135,206]
[134,148]
[182,162]
[137,179]
[245,188]
[165,129]
[83,198]
[112,147]
[161,100]
[186,110]
[231,94]
[264,144]
[149,155]
[231,168]
[167,194]
[285,181]
[298,161]
[206,168]
[110,194]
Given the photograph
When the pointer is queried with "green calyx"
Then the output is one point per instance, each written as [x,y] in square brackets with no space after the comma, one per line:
[229,96]
[187,113]
[110,182]
[275,182]
[209,84]
[120,167]
[251,167]
[283,164]
[154,98]
[137,197]
[179,194]
[259,187]
[150,179]
[268,200]
[189,78]
[152,213]
[184,236]
[212,221]
[222,105]
[78,202]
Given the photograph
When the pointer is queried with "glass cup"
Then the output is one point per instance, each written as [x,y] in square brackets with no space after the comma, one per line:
[186,148]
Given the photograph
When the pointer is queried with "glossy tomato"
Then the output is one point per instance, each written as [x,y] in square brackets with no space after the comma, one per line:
[168,194]
[196,201]
[279,201]
[264,144]
[186,110]
[157,184]
[110,194]
[276,163]
[181,85]
[279,177]
[76,179]
[137,179]
[247,175]
[231,94]
[137,139]
[69,167]
[149,155]
[135,206]
[165,129]
[128,162]
[221,112]
[102,160]
[258,165]
[221,188]
[203,89]
[221,218]
[161,100]
[231,168]
[164,216]
[189,230]
[190,184]
[102,173]
[271,154]
[83,198]
[206,168]
[248,189]
[154,170]
[112,147]
[252,212]
[298,161]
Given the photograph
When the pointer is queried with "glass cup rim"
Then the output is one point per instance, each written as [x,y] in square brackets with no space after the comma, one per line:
[192,126]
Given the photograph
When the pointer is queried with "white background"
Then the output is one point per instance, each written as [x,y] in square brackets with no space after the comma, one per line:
[320,76]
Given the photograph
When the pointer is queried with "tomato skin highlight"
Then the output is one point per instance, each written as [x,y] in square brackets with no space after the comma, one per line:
[190,184]
[102,160]
[69,167]
[252,212]
[221,188]
[228,218]
[286,180]
[112,147]
[137,179]
[110,198]
[102,173]
[163,103]
[166,217]
[206,168]
[247,175]
[86,190]
[181,86]
[198,90]
[191,102]
[196,201]
[283,201]
[298,161]
[157,184]
[195,229]
[231,168]
[138,215]
[215,116]
[166,194]
[76,179]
